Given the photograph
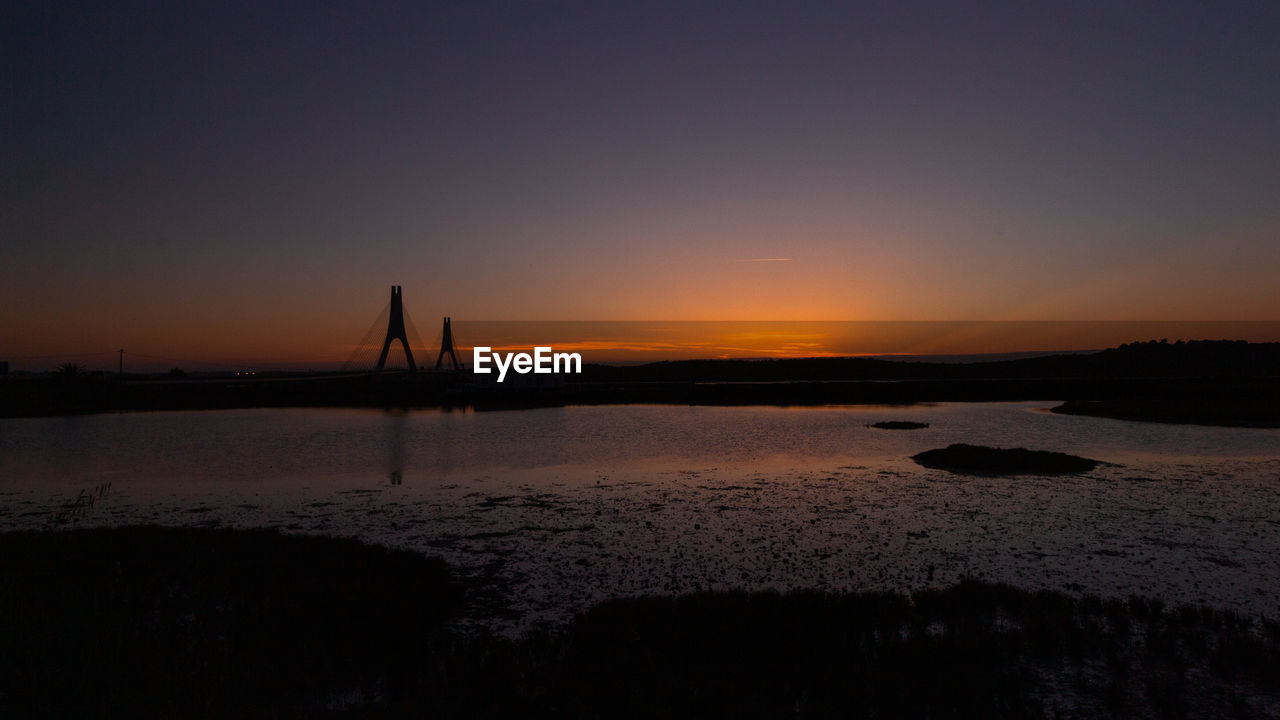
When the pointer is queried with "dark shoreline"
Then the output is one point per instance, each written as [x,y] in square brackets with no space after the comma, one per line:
[1246,406]
[235,623]
[1217,383]
[1226,402]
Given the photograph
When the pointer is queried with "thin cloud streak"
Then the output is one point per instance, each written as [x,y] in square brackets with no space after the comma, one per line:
[755,260]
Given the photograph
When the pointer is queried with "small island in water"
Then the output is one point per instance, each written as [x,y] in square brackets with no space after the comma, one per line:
[981,460]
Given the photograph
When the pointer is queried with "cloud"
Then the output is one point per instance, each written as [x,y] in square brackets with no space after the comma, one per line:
[764,260]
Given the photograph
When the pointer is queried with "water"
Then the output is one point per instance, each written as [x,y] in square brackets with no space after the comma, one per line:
[558,508]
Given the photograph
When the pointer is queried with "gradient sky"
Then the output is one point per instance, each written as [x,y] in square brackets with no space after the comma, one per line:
[247,179]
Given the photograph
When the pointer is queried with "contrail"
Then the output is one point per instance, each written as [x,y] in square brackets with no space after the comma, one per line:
[765,260]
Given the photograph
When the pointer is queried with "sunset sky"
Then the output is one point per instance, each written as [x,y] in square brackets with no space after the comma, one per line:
[246,180]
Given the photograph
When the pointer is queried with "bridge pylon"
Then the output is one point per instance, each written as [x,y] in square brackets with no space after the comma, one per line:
[396,331]
[446,347]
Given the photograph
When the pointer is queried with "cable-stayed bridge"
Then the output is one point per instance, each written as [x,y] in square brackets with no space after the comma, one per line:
[378,351]
[391,346]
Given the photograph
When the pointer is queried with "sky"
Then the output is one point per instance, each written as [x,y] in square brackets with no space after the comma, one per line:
[246,180]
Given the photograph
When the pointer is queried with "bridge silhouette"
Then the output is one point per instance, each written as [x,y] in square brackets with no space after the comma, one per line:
[367,357]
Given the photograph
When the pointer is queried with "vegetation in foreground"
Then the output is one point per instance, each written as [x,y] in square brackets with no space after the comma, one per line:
[190,622]
[218,623]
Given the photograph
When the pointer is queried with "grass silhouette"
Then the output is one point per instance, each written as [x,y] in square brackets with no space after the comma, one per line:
[168,622]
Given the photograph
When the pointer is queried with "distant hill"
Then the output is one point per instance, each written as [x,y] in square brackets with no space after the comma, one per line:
[1153,359]
[1198,358]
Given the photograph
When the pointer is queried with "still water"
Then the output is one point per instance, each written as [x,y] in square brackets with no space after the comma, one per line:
[561,507]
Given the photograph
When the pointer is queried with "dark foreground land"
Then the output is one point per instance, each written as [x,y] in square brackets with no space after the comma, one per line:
[1220,383]
[166,622]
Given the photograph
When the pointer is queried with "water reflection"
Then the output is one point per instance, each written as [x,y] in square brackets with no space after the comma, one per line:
[397,420]
[309,447]
[570,505]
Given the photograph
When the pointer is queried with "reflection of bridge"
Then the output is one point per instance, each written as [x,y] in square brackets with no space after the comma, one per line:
[400,327]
